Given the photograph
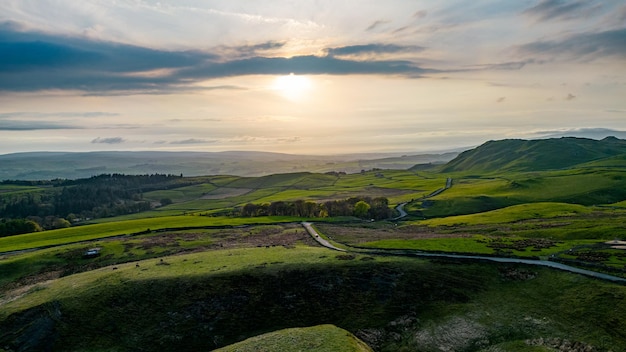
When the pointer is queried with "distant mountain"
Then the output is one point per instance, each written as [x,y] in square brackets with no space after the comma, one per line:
[592,133]
[535,155]
[66,165]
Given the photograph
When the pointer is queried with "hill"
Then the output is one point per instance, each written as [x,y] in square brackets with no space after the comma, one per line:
[535,155]
[206,300]
[65,165]
[321,338]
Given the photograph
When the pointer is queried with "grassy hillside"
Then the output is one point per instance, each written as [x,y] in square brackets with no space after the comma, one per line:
[474,194]
[534,155]
[321,338]
[206,300]
[119,228]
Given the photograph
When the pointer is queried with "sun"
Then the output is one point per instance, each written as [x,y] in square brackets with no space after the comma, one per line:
[292,86]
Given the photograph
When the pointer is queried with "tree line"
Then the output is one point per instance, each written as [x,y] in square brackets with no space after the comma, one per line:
[68,201]
[361,207]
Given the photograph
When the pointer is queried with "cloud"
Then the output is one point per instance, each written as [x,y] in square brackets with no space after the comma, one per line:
[193,141]
[250,49]
[112,140]
[376,24]
[501,99]
[304,65]
[289,140]
[514,65]
[28,114]
[594,133]
[373,49]
[548,10]
[580,47]
[33,50]
[32,125]
[570,96]
[34,61]
[420,14]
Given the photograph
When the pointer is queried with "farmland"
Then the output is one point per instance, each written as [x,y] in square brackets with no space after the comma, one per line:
[201,268]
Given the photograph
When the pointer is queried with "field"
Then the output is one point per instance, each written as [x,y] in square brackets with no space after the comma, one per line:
[202,272]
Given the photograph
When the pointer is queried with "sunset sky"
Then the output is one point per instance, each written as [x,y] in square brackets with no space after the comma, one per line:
[305,77]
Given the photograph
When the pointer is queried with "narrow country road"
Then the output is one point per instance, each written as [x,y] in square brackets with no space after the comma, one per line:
[400,209]
[309,228]
[414,253]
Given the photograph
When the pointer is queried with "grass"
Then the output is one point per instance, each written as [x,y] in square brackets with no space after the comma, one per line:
[477,244]
[543,210]
[320,338]
[212,298]
[211,287]
[451,245]
[197,264]
[181,194]
[473,194]
[116,228]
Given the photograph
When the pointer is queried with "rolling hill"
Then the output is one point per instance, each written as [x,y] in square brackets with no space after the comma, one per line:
[74,165]
[535,155]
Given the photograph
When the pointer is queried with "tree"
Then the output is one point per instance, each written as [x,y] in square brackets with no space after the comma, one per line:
[380,208]
[60,223]
[249,210]
[361,209]
[17,227]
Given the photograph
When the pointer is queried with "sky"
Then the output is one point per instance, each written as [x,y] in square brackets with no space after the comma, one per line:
[306,76]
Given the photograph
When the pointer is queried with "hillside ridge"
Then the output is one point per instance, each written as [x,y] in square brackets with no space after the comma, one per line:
[535,155]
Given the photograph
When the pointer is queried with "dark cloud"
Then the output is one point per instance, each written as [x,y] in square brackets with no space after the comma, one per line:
[548,10]
[304,65]
[373,49]
[32,50]
[501,99]
[570,96]
[111,140]
[580,47]
[516,65]
[28,114]
[255,49]
[26,125]
[33,61]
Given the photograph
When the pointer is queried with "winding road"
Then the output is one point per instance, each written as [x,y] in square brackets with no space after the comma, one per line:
[546,263]
[400,209]
[316,236]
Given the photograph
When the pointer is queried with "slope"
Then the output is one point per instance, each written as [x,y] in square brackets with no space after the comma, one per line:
[320,338]
[535,155]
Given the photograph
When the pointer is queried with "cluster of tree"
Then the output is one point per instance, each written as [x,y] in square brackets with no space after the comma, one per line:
[362,207]
[67,201]
[17,226]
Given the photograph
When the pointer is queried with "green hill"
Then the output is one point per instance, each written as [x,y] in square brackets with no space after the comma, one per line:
[535,155]
[321,338]
[201,301]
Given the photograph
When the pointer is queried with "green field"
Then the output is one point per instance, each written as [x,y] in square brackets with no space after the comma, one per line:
[121,228]
[190,274]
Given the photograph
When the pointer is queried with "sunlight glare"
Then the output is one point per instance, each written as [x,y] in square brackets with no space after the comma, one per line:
[292,87]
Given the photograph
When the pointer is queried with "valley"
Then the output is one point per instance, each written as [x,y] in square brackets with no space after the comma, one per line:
[219,259]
